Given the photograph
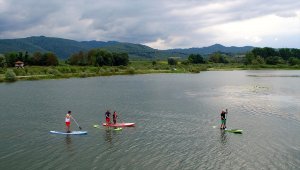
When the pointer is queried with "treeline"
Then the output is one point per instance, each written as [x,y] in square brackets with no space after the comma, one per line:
[37,58]
[256,56]
[217,57]
[98,57]
[273,56]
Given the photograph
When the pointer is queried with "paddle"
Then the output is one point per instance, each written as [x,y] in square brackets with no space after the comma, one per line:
[76,123]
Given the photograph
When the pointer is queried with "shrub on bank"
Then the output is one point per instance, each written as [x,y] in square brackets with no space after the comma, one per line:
[10,75]
[53,72]
[83,74]
[64,69]
[2,70]
[194,70]
[130,70]
[19,72]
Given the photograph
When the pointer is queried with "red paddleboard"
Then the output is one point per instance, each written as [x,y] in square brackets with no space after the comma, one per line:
[119,124]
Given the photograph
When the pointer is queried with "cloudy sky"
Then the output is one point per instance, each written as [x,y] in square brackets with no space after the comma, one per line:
[160,24]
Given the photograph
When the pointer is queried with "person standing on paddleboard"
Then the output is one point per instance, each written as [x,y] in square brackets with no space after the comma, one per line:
[107,117]
[223,119]
[115,116]
[68,121]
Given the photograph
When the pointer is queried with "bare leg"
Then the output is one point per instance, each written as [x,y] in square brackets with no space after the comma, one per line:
[68,129]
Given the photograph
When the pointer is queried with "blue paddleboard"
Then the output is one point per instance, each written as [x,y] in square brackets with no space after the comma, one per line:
[71,133]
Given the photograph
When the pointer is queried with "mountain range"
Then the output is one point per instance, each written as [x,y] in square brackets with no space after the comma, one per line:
[64,48]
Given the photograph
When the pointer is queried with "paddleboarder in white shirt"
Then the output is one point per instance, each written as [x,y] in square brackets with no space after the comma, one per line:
[68,121]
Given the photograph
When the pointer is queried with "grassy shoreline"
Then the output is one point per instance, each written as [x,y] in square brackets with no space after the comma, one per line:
[135,67]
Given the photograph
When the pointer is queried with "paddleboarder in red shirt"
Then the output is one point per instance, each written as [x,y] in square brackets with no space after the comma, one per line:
[115,116]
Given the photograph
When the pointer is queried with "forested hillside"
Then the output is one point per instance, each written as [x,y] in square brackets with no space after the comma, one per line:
[64,48]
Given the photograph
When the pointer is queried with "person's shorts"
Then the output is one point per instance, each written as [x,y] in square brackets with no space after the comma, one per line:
[223,121]
[68,124]
[107,120]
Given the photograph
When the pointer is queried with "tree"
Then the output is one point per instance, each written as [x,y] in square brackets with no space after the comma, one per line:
[293,61]
[2,60]
[154,63]
[249,58]
[26,58]
[196,59]
[99,57]
[260,60]
[285,53]
[11,58]
[82,59]
[264,52]
[20,57]
[36,58]
[273,60]
[120,59]
[73,60]
[51,59]
[295,53]
[218,58]
[172,61]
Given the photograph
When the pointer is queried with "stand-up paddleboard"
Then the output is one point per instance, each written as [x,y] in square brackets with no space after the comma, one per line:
[234,130]
[119,124]
[118,129]
[114,128]
[96,126]
[71,133]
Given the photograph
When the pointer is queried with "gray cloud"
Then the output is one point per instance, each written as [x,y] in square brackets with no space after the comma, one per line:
[176,22]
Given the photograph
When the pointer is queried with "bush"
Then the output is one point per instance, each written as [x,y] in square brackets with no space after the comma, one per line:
[83,74]
[172,61]
[131,70]
[10,75]
[64,69]
[194,70]
[2,70]
[111,70]
[19,72]
[122,67]
[73,70]
[186,62]
[102,70]
[53,72]
[93,69]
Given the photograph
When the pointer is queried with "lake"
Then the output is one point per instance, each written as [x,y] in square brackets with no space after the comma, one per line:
[177,120]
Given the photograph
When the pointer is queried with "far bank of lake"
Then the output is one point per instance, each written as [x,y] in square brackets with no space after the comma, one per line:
[136,67]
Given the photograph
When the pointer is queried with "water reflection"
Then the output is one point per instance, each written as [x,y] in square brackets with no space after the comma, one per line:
[68,141]
[108,135]
[223,136]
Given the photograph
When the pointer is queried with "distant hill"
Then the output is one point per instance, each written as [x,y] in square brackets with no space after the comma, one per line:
[212,49]
[64,48]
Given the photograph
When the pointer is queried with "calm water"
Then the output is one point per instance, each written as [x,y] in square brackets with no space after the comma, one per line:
[177,118]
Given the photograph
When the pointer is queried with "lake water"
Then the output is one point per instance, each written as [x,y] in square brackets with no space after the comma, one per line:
[177,120]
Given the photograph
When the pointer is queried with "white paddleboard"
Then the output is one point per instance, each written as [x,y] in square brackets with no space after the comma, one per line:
[71,133]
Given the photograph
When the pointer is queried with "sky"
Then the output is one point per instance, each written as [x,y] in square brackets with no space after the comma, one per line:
[160,24]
